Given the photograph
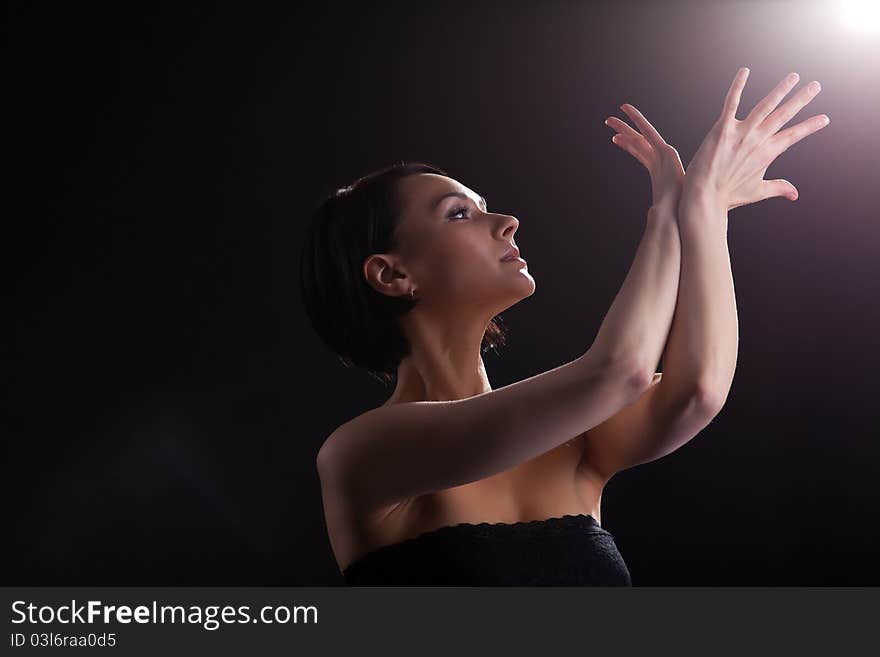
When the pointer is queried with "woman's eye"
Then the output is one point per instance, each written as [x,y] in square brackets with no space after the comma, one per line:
[458,211]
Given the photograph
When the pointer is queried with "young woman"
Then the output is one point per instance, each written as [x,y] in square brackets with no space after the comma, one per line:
[450,482]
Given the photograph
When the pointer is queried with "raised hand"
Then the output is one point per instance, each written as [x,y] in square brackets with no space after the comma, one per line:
[731,162]
[659,158]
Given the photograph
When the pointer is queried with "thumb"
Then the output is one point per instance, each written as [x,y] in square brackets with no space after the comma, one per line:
[780,187]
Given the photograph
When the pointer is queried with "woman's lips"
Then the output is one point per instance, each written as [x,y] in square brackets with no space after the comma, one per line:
[512,254]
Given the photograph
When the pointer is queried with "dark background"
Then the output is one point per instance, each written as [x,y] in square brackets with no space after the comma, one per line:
[165,394]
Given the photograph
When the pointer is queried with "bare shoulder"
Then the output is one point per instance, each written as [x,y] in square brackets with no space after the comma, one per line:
[352,530]
[509,496]
[345,432]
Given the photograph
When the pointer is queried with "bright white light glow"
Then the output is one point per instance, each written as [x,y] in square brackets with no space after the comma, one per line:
[861,15]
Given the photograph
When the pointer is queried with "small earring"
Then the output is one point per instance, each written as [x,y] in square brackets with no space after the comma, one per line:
[412,292]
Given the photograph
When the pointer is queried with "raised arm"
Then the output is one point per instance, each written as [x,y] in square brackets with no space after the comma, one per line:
[701,350]
[645,330]
[395,452]
[726,172]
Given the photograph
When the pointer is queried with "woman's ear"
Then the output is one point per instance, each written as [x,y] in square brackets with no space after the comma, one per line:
[382,272]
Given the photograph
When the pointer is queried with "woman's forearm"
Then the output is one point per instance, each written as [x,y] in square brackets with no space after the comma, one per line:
[702,347]
[637,324]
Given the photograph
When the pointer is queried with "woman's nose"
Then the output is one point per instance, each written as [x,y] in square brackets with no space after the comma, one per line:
[510,224]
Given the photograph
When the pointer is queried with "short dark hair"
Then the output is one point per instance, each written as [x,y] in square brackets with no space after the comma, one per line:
[354,320]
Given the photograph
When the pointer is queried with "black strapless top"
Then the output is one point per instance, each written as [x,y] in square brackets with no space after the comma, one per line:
[571,550]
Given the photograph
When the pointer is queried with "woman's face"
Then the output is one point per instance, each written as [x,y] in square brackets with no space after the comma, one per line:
[451,247]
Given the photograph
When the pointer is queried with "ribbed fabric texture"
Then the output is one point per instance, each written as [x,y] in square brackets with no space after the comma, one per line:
[571,550]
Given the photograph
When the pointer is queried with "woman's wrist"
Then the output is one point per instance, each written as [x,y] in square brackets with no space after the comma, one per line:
[663,210]
[701,205]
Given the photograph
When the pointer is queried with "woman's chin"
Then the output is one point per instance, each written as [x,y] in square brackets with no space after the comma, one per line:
[525,287]
[528,279]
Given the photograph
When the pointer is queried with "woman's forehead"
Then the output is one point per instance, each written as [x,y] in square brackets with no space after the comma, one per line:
[427,190]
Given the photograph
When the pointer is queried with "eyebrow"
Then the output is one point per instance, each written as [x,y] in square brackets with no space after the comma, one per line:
[459,195]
